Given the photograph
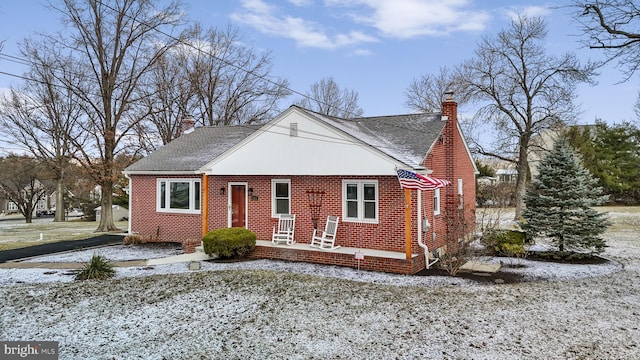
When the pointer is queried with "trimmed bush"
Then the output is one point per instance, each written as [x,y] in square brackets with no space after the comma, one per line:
[229,243]
[505,242]
[97,268]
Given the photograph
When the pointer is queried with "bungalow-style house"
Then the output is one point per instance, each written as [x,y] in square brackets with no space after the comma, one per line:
[313,166]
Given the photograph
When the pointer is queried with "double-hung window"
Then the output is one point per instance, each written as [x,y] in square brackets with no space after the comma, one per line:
[178,195]
[360,200]
[436,202]
[280,197]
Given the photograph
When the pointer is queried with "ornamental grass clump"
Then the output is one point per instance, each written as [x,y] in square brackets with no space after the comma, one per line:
[97,268]
[229,243]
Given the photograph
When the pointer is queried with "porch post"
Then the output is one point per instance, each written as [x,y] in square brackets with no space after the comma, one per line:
[407,222]
[205,204]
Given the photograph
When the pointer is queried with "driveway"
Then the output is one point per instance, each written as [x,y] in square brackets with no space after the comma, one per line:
[61,246]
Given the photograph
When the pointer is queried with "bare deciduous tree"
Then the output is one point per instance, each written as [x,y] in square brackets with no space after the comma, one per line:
[19,183]
[211,77]
[168,99]
[614,27]
[426,93]
[231,82]
[521,90]
[115,43]
[42,116]
[326,97]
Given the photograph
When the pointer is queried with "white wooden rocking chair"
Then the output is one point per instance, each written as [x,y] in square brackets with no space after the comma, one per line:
[326,239]
[285,230]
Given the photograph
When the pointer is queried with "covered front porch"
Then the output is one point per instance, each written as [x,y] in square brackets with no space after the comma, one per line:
[365,259]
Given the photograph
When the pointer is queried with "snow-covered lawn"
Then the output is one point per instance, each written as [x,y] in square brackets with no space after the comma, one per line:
[280,310]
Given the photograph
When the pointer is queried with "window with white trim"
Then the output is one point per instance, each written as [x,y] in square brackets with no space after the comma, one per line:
[460,198]
[360,200]
[280,197]
[436,202]
[178,195]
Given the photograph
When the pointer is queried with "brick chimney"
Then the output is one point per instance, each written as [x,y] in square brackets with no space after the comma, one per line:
[450,107]
[186,126]
[450,115]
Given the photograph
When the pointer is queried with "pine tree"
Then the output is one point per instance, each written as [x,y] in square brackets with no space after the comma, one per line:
[559,203]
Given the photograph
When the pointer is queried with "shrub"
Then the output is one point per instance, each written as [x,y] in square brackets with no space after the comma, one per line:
[505,242]
[229,243]
[97,268]
[452,263]
[133,240]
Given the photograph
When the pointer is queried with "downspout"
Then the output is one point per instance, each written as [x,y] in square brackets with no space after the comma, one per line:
[204,206]
[130,193]
[420,224]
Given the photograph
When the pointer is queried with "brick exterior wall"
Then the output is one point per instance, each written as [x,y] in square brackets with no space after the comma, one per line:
[448,160]
[159,226]
[370,263]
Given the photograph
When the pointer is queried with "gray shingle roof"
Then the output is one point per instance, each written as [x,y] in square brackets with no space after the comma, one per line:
[406,138]
[191,151]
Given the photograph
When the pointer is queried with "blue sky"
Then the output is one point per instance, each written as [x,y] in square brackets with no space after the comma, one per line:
[374,47]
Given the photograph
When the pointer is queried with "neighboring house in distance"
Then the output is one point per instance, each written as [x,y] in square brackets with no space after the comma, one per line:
[119,212]
[507,175]
[313,166]
[43,203]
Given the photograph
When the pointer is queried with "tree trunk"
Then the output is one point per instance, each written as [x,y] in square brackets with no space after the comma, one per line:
[60,205]
[521,183]
[106,214]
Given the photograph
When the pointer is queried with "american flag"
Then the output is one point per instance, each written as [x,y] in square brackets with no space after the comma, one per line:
[413,181]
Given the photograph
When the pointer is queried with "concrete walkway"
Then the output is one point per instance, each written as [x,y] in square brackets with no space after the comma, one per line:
[197,256]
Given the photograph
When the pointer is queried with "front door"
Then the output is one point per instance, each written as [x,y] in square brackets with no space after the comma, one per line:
[238,205]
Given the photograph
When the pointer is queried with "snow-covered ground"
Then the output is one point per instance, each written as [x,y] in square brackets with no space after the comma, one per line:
[281,310]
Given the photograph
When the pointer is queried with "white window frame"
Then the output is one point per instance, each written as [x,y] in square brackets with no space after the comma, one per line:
[192,195]
[274,207]
[460,197]
[436,201]
[360,201]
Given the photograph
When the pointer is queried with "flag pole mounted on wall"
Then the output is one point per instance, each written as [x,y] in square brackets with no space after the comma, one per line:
[412,181]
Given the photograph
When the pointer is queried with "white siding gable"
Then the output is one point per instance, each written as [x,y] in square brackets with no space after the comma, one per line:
[297,144]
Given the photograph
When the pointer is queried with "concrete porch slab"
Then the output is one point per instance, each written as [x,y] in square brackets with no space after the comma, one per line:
[340,250]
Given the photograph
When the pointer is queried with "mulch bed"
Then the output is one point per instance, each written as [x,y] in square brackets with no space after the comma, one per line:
[501,277]
[482,278]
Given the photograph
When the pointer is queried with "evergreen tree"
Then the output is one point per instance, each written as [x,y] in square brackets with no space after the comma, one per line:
[612,154]
[559,203]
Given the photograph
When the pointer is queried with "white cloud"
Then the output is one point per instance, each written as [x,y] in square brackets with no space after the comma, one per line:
[395,19]
[301,2]
[528,11]
[362,52]
[306,33]
[410,18]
